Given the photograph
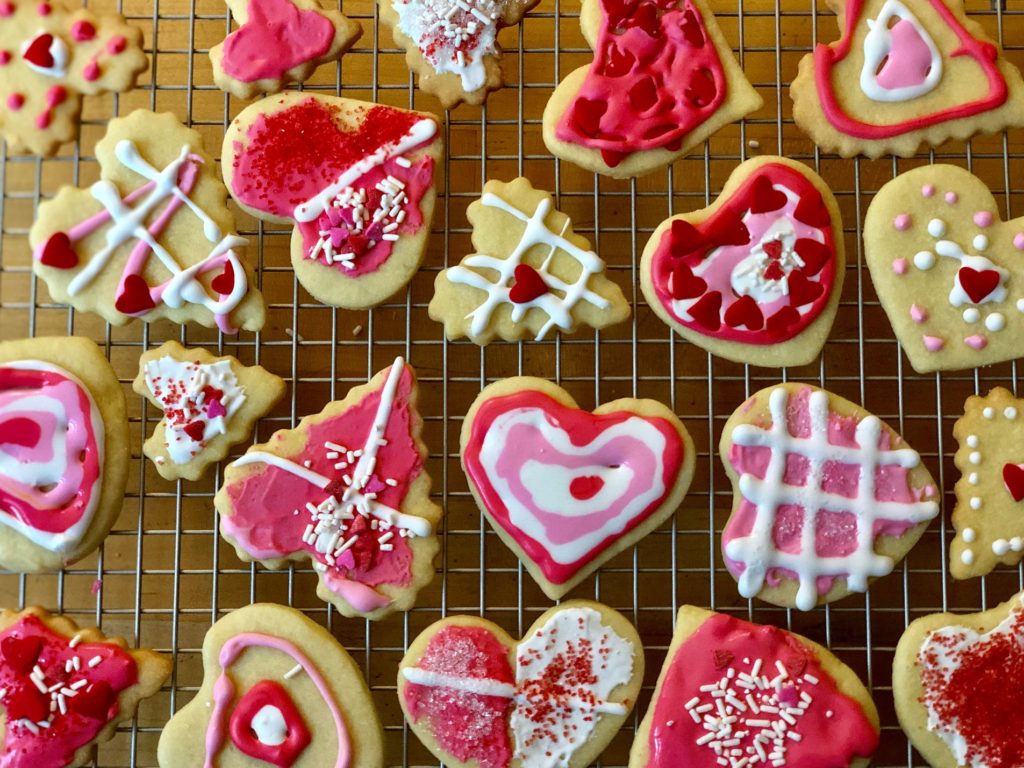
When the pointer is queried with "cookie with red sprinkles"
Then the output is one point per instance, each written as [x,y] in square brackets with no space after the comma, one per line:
[957,684]
[476,697]
[209,404]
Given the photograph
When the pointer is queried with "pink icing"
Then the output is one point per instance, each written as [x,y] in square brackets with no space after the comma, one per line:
[933,343]
[91,71]
[899,266]
[983,218]
[44,9]
[1018,241]
[116,45]
[15,101]
[6,9]
[833,729]
[976,342]
[30,643]
[902,222]
[928,190]
[5,58]
[918,314]
[909,60]
[952,198]
[276,38]
[82,30]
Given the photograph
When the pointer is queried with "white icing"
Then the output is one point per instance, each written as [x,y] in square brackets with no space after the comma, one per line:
[968,535]
[924,260]
[980,242]
[1010,412]
[974,457]
[877,47]
[757,551]
[988,412]
[1000,547]
[973,478]
[975,502]
[269,726]
[967,557]
[995,322]
[748,276]
[936,228]
[478,686]
[58,51]
[972,441]
[473,271]
[972,315]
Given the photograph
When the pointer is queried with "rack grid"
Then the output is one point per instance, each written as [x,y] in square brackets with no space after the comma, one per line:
[164,575]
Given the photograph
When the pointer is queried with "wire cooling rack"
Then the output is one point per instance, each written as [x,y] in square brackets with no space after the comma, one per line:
[163,575]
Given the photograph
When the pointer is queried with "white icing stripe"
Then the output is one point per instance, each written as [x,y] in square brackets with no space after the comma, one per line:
[421,132]
[757,551]
[265,457]
[480,686]
[878,46]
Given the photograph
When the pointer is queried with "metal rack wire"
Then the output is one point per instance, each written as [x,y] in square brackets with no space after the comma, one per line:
[163,575]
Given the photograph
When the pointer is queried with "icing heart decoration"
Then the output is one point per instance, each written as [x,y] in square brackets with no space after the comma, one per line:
[529,285]
[353,473]
[561,485]
[946,269]
[1013,478]
[46,54]
[58,252]
[354,178]
[474,695]
[761,267]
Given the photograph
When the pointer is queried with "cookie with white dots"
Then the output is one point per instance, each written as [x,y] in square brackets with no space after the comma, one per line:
[989,512]
[947,269]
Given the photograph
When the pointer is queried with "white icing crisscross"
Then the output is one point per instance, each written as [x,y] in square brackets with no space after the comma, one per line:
[757,551]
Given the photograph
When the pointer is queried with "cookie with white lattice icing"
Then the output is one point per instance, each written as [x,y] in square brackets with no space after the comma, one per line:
[63,451]
[153,238]
[209,404]
[476,697]
[531,274]
[278,42]
[989,512]
[826,496]
[278,690]
[452,44]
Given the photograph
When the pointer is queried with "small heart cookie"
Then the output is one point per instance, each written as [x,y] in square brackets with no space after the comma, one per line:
[473,695]
[947,269]
[957,685]
[567,490]
[826,497]
[756,276]
[756,694]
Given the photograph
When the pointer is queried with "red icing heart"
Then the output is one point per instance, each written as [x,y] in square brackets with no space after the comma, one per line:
[21,653]
[224,283]
[135,298]
[744,312]
[94,701]
[1013,477]
[585,487]
[707,311]
[57,252]
[243,735]
[528,285]
[38,51]
[195,430]
[803,291]
[21,432]
[686,285]
[27,703]
[764,197]
[978,284]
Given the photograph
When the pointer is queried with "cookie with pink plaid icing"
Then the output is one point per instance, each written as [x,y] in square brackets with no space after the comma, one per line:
[826,496]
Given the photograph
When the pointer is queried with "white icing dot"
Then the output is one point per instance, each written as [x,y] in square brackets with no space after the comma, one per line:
[926,260]
[972,441]
[975,502]
[1016,544]
[988,413]
[975,457]
[980,242]
[968,535]
[269,726]
[1020,305]
[973,478]
[995,321]
[967,557]
[971,315]
[936,227]
[1010,413]
[1000,547]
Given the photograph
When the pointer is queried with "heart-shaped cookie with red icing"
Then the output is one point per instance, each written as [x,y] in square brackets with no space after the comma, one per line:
[567,490]
[356,179]
[947,269]
[756,276]
[904,72]
[475,696]
[957,686]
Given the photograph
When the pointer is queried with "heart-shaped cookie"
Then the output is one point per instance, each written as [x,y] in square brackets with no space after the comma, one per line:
[957,685]
[758,695]
[356,180]
[904,72]
[947,269]
[756,276]
[826,497]
[473,695]
[567,490]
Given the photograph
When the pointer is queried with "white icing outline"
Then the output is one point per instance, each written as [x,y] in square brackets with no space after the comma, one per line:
[878,45]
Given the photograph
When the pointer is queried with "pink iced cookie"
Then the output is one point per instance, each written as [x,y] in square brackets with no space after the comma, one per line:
[826,497]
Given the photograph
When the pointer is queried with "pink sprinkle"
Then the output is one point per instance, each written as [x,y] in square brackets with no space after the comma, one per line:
[952,197]
[91,71]
[976,342]
[933,343]
[899,266]
[82,30]
[43,120]
[918,314]
[5,58]
[56,95]
[215,409]
[928,190]
[97,586]
[902,221]
[983,219]
[43,9]
[15,101]
[116,44]
[1018,241]
[6,9]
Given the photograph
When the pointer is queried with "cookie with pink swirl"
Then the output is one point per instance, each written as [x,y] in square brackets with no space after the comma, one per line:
[566,489]
[63,451]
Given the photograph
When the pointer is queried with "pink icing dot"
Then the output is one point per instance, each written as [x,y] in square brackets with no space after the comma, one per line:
[928,190]
[43,120]
[43,9]
[56,95]
[1018,241]
[918,314]
[902,222]
[82,30]
[116,44]
[6,9]
[5,58]
[899,266]
[933,343]
[91,71]
[952,197]
[976,342]
[983,219]
[15,101]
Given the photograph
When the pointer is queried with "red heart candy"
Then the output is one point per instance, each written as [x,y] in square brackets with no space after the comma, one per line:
[585,487]
[195,430]
[729,230]
[587,115]
[224,283]
[528,286]
[26,703]
[686,239]
[135,298]
[813,212]
[803,291]
[94,702]
[38,51]
[765,197]
[773,248]
[813,254]
[978,284]
[685,284]
[21,653]
[744,311]
[57,252]
[702,88]
[708,311]
[1013,478]
[782,319]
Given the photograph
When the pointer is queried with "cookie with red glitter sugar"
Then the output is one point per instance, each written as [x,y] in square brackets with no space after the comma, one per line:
[63,451]
[663,79]
[957,685]
[51,56]
[278,690]
[757,694]
[66,689]
[452,44]
[476,697]
[278,42]
[756,276]
[347,489]
[208,403]
[356,179]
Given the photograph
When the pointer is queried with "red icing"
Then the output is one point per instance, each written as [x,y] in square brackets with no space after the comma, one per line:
[30,643]
[984,54]
[718,245]
[528,285]
[269,693]
[1013,478]
[833,728]
[276,37]
[978,284]
[224,283]
[38,51]
[468,726]
[585,487]
[83,30]
[655,78]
